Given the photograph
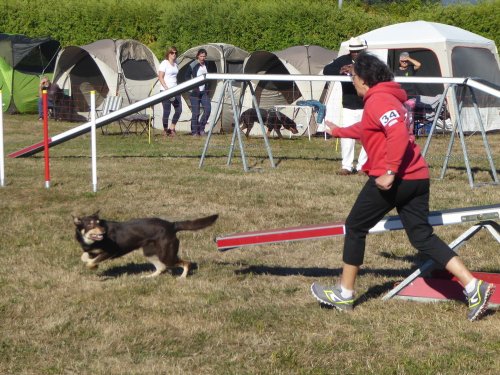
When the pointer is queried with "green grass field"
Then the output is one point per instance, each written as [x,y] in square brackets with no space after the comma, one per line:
[245,311]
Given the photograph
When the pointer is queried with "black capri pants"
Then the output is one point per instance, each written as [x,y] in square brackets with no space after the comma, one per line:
[411,200]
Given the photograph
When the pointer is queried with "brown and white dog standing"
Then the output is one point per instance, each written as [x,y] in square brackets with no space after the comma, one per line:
[271,118]
[103,239]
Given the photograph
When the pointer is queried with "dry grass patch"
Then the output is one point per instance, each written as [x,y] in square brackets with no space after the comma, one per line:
[246,311]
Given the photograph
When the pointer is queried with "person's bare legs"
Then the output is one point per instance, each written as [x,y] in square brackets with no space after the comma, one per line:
[172,129]
[454,266]
[458,269]
[348,277]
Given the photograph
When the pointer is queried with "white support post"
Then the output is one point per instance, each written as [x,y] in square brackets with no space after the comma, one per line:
[93,141]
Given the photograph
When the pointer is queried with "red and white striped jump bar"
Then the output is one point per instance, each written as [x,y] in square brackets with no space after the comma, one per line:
[446,217]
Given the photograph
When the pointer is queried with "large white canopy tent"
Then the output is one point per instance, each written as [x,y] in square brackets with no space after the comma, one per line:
[445,51]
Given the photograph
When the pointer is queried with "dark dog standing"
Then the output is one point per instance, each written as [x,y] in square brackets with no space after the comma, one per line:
[102,239]
[272,119]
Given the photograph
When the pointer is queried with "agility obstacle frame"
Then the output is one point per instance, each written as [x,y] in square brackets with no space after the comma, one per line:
[246,79]
[418,286]
[389,223]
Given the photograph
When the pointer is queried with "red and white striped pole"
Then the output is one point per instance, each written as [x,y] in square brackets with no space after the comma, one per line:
[46,137]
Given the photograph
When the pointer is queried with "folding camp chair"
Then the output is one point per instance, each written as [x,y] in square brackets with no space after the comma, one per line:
[425,112]
[138,123]
[110,104]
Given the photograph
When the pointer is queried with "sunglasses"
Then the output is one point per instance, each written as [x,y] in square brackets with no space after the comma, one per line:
[173,52]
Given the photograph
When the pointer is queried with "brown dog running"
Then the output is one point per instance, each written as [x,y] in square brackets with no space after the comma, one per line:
[271,118]
[103,239]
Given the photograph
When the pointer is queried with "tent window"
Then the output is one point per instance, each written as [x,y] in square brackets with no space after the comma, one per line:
[477,63]
[138,70]
[430,68]
[40,59]
[234,67]
[32,63]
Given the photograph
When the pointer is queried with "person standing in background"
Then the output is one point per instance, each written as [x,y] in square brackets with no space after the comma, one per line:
[199,96]
[167,75]
[352,106]
[407,68]
[44,85]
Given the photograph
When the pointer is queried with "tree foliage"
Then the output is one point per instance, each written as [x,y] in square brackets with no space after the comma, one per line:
[252,25]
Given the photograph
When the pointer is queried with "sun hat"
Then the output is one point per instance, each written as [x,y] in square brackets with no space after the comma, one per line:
[404,55]
[356,44]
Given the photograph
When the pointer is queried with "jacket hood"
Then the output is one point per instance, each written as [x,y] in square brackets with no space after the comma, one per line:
[392,88]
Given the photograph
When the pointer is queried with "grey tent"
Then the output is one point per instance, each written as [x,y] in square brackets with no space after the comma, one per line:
[307,59]
[122,67]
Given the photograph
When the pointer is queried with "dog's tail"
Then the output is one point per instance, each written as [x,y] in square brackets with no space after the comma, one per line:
[195,224]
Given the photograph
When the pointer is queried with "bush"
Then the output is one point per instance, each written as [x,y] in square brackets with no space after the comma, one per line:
[258,25]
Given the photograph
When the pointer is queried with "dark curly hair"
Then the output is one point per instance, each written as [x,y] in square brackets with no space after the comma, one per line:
[371,69]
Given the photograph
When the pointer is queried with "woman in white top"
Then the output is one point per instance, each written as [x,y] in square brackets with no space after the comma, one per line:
[167,75]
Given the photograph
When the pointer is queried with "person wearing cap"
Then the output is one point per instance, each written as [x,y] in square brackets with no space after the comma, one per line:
[407,67]
[352,105]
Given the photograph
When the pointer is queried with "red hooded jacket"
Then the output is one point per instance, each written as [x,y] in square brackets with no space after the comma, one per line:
[384,134]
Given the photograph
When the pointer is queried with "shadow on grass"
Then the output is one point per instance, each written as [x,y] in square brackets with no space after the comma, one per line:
[317,272]
[415,259]
[143,269]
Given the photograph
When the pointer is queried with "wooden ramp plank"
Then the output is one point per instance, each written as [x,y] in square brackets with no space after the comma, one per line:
[446,217]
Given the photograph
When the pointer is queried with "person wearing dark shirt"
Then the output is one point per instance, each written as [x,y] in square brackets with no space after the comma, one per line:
[352,105]
[407,68]
[199,96]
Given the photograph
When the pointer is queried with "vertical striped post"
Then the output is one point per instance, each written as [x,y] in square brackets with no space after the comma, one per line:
[46,137]
[2,160]
[93,141]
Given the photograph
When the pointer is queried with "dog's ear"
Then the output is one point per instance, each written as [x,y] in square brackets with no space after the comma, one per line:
[76,220]
[96,214]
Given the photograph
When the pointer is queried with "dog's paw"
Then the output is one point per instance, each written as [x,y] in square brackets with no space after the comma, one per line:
[91,265]
[85,257]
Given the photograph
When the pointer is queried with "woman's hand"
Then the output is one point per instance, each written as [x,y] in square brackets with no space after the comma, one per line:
[330,127]
[385,181]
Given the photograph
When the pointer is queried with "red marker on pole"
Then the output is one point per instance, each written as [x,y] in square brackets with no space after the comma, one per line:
[46,137]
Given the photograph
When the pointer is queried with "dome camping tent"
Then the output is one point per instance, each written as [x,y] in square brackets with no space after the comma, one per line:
[294,60]
[122,67]
[444,51]
[23,61]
